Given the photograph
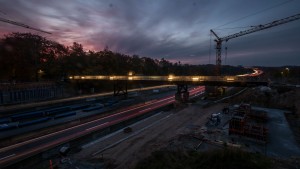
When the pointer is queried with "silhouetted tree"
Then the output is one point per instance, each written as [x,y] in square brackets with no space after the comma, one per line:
[24,55]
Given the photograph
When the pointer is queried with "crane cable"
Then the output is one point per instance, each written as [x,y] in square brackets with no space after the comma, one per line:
[226,52]
[209,49]
[240,27]
[258,12]
[22,25]
[19,23]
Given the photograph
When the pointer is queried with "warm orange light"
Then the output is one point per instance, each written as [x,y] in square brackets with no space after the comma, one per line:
[195,78]
[170,77]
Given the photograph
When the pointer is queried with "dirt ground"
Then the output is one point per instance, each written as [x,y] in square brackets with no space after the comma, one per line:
[294,117]
[152,134]
[166,129]
[281,98]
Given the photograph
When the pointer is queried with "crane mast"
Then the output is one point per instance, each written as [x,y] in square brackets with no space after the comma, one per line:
[257,28]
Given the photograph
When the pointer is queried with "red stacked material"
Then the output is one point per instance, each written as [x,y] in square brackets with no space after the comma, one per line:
[242,125]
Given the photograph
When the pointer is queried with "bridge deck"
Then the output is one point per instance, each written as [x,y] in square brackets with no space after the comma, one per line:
[205,80]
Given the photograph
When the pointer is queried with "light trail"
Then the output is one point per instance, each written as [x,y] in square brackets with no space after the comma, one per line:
[31,147]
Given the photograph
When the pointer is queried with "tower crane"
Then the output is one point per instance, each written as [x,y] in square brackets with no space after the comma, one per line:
[257,28]
[22,25]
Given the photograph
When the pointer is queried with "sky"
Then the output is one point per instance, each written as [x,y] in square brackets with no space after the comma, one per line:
[177,30]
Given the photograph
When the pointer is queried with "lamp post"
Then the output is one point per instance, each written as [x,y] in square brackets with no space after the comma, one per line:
[40,73]
[287,71]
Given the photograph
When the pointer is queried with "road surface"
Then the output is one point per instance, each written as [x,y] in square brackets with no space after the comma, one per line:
[20,151]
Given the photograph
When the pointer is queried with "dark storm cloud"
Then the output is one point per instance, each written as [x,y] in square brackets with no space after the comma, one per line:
[176,30]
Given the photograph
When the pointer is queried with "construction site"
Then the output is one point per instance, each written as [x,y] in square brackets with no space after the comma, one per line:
[151,98]
[195,128]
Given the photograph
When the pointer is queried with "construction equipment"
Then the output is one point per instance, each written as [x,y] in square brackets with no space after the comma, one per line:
[257,28]
[214,119]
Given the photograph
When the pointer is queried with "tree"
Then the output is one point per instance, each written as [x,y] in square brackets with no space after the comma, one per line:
[75,62]
[27,57]
[24,55]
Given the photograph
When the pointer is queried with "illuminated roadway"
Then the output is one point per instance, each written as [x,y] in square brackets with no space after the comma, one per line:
[52,102]
[170,78]
[17,152]
[239,80]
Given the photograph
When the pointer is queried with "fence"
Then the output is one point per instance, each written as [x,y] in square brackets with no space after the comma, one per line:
[28,92]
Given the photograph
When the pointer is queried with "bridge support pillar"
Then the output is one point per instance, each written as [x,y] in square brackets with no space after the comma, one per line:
[120,88]
[182,94]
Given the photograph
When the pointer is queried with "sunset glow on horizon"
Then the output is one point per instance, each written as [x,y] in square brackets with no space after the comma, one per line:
[174,30]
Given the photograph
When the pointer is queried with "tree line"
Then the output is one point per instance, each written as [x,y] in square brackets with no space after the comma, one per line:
[31,57]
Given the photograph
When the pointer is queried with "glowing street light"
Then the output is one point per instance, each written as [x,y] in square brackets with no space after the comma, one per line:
[195,78]
[230,79]
[287,71]
[40,71]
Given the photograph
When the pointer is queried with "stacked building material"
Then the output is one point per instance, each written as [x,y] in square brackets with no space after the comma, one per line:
[243,123]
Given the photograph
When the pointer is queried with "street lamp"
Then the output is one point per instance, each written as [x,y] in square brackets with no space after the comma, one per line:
[130,73]
[40,73]
[287,71]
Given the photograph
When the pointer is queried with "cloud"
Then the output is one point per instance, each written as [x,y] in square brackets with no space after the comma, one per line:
[177,30]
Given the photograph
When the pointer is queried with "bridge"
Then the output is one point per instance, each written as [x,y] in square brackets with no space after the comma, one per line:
[182,82]
[196,80]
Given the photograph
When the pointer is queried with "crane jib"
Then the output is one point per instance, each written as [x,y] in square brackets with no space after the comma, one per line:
[245,32]
[261,27]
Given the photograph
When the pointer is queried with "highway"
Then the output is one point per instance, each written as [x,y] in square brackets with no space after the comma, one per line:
[58,101]
[20,151]
[257,72]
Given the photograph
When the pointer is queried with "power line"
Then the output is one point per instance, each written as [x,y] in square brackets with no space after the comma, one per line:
[258,12]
